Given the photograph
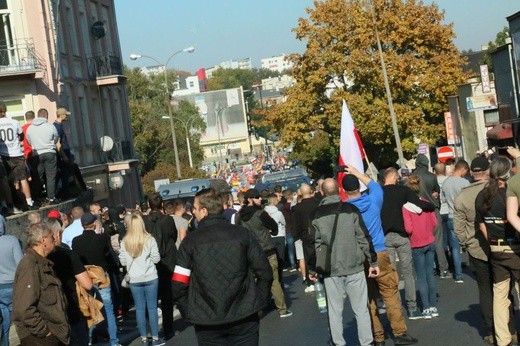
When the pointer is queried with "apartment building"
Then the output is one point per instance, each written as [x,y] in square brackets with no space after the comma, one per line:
[66,53]
[277,63]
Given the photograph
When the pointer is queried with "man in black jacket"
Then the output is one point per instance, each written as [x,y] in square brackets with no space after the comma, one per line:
[302,230]
[162,228]
[396,238]
[257,220]
[430,190]
[222,277]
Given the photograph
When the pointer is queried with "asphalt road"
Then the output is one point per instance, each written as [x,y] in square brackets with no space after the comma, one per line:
[459,322]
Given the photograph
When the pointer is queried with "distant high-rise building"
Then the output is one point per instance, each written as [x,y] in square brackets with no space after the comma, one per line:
[277,63]
[244,64]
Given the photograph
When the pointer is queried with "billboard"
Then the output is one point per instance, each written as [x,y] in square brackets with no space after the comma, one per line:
[224,113]
[488,101]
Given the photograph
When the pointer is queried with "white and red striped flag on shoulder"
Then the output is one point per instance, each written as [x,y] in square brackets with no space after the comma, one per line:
[181,274]
[350,147]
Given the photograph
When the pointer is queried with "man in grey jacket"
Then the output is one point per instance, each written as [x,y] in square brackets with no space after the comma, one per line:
[351,248]
[44,140]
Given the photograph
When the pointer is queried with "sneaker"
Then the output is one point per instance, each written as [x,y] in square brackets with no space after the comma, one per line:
[288,313]
[293,269]
[158,342]
[445,275]
[309,289]
[426,314]
[459,281]
[415,314]
[434,312]
[404,339]
[17,211]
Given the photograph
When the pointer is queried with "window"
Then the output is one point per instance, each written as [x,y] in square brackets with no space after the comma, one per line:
[192,84]
[15,110]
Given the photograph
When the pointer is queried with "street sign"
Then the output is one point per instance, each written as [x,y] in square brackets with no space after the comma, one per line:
[422,148]
[444,153]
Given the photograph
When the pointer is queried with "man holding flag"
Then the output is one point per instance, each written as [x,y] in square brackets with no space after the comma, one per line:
[350,147]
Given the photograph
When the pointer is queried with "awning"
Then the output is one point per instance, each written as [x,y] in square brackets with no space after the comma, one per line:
[500,131]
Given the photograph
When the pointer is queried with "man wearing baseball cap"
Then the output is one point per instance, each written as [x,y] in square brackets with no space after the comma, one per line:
[470,239]
[66,165]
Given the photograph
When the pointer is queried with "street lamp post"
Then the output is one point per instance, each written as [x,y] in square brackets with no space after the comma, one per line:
[170,114]
[187,127]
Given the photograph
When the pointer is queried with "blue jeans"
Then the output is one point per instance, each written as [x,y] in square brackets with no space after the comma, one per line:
[454,250]
[6,306]
[423,260]
[291,250]
[108,313]
[145,298]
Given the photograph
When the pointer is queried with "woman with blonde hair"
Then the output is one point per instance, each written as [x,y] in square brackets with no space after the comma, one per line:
[139,254]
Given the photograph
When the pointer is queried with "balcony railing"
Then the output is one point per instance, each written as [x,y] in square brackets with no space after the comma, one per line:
[19,57]
[104,65]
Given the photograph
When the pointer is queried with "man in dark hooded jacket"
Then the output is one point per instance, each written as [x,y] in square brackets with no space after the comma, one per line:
[257,220]
[162,228]
[430,191]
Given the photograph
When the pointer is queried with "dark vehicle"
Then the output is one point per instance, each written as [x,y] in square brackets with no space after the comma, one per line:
[288,179]
[187,188]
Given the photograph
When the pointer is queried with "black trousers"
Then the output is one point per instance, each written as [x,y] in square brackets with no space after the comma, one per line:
[309,254]
[244,332]
[165,295]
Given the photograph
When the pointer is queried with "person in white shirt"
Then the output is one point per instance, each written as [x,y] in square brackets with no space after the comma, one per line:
[11,150]
[75,228]
[272,209]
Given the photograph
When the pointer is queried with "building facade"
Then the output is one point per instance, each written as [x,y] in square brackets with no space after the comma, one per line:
[244,64]
[277,63]
[66,53]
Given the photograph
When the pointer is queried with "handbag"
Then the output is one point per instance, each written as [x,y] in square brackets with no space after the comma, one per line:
[324,251]
[126,280]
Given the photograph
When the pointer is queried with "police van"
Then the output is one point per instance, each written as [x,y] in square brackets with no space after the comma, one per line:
[187,188]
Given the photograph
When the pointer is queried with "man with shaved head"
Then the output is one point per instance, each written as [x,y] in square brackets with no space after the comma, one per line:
[302,230]
[75,228]
[351,249]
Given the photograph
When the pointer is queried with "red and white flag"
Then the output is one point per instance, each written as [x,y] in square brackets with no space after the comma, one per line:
[181,274]
[350,147]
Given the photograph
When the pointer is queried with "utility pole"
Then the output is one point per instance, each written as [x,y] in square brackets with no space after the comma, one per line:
[388,93]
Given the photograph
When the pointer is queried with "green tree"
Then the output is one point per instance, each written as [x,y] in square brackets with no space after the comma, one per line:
[147,98]
[423,67]
[226,78]
[500,40]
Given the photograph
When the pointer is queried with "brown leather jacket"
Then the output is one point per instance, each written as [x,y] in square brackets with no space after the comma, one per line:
[39,306]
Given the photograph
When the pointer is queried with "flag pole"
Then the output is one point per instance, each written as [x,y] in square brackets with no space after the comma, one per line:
[369,165]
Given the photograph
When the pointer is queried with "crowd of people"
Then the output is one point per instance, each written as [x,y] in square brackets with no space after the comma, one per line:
[221,258]
[37,165]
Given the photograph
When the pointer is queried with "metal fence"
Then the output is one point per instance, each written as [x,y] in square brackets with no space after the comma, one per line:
[18,57]
[104,65]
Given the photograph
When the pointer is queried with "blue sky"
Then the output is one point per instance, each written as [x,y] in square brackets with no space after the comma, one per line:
[234,29]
